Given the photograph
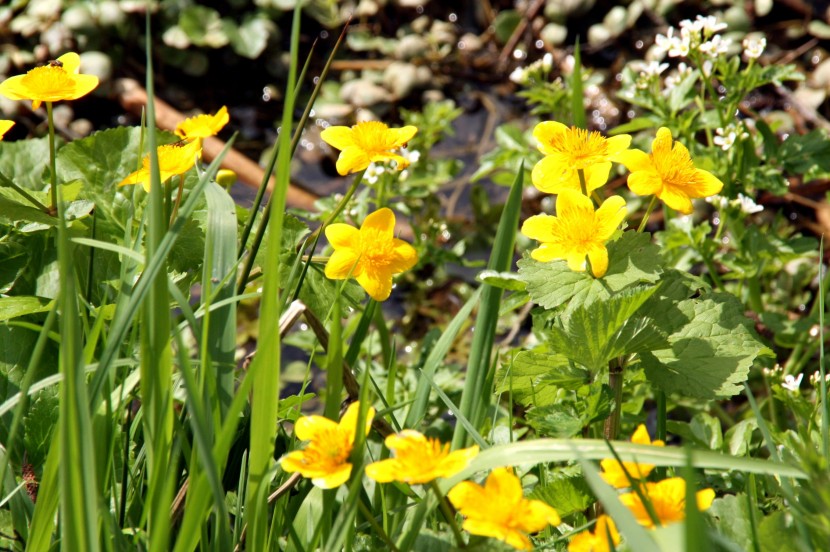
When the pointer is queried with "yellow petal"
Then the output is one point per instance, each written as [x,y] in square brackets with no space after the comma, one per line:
[645,182]
[71,62]
[141,176]
[617,144]
[466,495]
[293,461]
[662,144]
[335,478]
[4,127]
[400,136]
[13,88]
[596,176]
[547,252]
[552,174]
[598,255]
[341,263]
[404,258]
[400,162]
[456,461]
[576,261]
[307,427]
[377,283]
[635,160]
[704,499]
[539,227]
[574,205]
[339,137]
[383,471]
[404,439]
[706,184]
[641,436]
[536,515]
[545,133]
[349,420]
[342,235]
[676,199]
[352,159]
[502,482]
[609,216]
[382,220]
[613,474]
[84,84]
[487,528]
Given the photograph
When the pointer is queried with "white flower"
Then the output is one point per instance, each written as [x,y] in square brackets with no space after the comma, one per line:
[682,72]
[710,24]
[816,378]
[547,61]
[714,47]
[411,155]
[725,138]
[753,48]
[791,383]
[519,75]
[721,202]
[373,172]
[748,206]
[652,68]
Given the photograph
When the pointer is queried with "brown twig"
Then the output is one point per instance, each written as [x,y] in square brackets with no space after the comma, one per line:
[531,12]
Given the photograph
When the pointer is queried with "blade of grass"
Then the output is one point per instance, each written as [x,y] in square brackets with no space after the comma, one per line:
[435,358]
[78,489]
[476,396]
[48,500]
[825,419]
[264,367]
[156,354]
[577,92]
[697,538]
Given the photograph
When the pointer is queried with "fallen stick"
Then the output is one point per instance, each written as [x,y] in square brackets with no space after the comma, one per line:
[133,98]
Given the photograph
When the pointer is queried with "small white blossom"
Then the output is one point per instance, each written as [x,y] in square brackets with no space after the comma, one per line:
[753,48]
[721,202]
[715,47]
[373,172]
[710,24]
[792,384]
[518,75]
[746,204]
[816,378]
[725,138]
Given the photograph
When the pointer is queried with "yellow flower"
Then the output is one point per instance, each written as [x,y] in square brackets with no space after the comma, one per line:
[612,471]
[499,510]
[326,458]
[569,149]
[576,231]
[668,173]
[668,498]
[203,126]
[367,142]
[419,459]
[371,255]
[4,127]
[598,540]
[174,159]
[59,80]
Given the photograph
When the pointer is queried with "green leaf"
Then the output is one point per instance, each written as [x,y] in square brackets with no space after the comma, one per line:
[12,307]
[251,37]
[505,23]
[557,421]
[800,153]
[187,252]
[633,259]
[504,280]
[203,26]
[776,532]
[567,494]
[709,356]
[39,425]
[594,334]
[13,212]
[732,518]
[25,161]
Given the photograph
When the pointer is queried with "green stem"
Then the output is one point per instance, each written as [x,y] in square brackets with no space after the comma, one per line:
[53,174]
[644,221]
[6,181]
[661,415]
[378,529]
[582,184]
[615,381]
[448,515]
[178,200]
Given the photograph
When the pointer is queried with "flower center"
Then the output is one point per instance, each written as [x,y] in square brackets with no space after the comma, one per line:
[376,248]
[372,137]
[329,448]
[581,147]
[48,80]
[676,169]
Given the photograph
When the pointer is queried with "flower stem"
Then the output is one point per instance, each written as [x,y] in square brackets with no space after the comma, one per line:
[53,175]
[178,200]
[615,381]
[448,515]
[646,216]
[582,184]
[378,529]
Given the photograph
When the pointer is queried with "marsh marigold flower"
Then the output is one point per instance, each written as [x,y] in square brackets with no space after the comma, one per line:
[325,460]
[576,231]
[598,540]
[668,498]
[367,142]
[174,159]
[371,254]
[499,510]
[669,173]
[567,150]
[4,127]
[419,459]
[203,126]
[58,80]
[612,471]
